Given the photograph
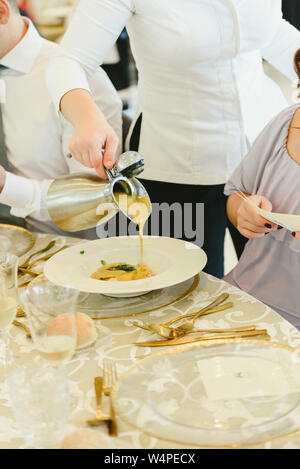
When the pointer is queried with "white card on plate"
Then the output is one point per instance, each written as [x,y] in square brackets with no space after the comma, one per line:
[240,377]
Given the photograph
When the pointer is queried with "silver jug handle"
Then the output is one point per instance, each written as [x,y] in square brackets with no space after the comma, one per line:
[130,164]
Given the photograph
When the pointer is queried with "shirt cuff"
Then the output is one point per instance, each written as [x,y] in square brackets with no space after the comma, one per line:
[19,193]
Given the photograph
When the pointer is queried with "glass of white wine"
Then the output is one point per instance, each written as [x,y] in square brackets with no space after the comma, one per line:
[51,311]
[8,292]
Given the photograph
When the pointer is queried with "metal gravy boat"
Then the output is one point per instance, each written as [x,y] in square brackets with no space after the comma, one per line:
[81,201]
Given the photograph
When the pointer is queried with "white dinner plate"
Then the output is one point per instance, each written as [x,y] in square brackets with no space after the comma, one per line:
[172,261]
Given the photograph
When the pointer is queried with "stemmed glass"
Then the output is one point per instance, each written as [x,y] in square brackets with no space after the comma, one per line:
[39,389]
[51,311]
[5,244]
[40,400]
[8,293]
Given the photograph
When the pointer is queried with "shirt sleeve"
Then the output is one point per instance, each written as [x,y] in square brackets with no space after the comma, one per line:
[280,52]
[248,175]
[95,27]
[24,196]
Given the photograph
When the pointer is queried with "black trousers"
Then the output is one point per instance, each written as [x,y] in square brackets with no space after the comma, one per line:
[291,12]
[8,219]
[202,220]
[210,230]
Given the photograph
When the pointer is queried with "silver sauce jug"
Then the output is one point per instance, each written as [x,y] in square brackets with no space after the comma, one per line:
[81,201]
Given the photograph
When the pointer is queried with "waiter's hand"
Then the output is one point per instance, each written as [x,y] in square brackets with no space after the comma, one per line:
[88,141]
[249,223]
[2,178]
[92,133]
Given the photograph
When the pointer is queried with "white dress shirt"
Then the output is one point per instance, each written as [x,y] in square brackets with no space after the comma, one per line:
[36,137]
[202,88]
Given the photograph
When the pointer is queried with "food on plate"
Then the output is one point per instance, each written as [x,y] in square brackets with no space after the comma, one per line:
[121,272]
[139,210]
[62,324]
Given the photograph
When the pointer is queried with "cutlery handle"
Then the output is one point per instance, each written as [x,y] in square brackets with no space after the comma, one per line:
[45,258]
[217,302]
[23,270]
[202,311]
[98,384]
[112,424]
[186,340]
[223,331]
[20,324]
[49,246]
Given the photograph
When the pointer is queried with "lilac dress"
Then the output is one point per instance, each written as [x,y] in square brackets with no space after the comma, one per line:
[269,268]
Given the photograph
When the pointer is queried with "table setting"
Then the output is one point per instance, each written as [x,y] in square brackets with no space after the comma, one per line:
[125,343]
[52,17]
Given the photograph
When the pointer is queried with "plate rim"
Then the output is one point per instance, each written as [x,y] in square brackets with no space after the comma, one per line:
[176,350]
[195,283]
[132,288]
[23,230]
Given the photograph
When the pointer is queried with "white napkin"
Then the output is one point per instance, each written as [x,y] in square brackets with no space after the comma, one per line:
[239,378]
[290,222]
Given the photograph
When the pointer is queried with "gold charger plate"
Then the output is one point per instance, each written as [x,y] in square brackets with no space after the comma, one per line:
[102,307]
[21,240]
[230,394]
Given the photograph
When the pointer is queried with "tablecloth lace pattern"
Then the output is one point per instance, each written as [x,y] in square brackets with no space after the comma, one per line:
[120,334]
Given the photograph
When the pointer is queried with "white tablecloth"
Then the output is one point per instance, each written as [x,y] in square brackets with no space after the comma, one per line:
[115,342]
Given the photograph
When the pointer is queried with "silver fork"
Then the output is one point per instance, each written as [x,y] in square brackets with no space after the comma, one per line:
[110,376]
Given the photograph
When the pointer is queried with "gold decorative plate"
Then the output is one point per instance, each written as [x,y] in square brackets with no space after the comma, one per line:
[230,394]
[19,240]
[103,307]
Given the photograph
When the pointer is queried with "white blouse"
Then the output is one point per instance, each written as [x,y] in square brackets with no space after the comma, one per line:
[202,88]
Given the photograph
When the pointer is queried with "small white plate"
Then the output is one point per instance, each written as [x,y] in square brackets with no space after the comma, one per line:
[103,336]
[172,261]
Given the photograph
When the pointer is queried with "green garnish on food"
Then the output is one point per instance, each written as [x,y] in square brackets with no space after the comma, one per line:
[125,267]
[81,252]
[103,262]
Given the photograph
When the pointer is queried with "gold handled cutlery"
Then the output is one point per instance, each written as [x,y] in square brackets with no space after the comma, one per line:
[99,418]
[23,326]
[202,331]
[46,248]
[45,258]
[213,307]
[206,310]
[110,376]
[103,385]
[173,332]
[190,340]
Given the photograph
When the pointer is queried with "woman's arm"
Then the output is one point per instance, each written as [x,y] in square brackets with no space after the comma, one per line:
[94,28]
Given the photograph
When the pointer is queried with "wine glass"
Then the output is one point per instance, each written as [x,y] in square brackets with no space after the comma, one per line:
[40,400]
[5,245]
[8,293]
[51,311]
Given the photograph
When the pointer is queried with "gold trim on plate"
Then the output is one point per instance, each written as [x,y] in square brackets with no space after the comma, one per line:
[123,415]
[22,230]
[190,290]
